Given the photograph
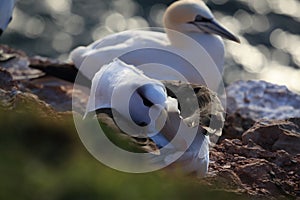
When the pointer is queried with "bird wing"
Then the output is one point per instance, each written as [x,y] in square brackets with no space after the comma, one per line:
[104,50]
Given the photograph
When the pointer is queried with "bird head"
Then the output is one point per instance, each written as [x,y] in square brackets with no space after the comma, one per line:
[6,10]
[194,16]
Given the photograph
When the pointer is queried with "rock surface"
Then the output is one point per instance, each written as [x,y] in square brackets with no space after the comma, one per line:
[258,154]
[262,172]
[276,135]
[262,100]
[260,145]
[20,75]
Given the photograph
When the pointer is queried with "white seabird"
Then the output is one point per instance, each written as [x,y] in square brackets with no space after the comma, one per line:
[127,90]
[6,10]
[139,99]
[188,24]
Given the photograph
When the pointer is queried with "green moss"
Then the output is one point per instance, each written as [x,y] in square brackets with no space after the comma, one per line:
[42,158]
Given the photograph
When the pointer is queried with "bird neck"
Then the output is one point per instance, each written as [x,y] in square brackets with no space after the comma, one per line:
[212,44]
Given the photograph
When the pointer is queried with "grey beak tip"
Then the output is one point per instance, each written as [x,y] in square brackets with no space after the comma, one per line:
[237,40]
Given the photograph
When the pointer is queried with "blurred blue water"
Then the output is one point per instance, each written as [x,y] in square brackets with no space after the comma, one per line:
[269,31]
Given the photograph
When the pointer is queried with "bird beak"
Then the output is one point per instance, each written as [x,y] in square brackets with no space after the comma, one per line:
[1,31]
[213,27]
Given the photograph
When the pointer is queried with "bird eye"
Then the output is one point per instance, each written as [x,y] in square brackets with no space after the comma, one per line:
[10,19]
[200,18]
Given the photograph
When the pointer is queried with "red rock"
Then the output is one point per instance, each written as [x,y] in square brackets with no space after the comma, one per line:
[17,63]
[261,172]
[235,125]
[6,80]
[275,135]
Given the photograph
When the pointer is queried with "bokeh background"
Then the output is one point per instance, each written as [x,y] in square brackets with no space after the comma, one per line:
[44,159]
[269,31]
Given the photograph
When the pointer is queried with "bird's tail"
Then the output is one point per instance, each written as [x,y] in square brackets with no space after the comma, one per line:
[77,56]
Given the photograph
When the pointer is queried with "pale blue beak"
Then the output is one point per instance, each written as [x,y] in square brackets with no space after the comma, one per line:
[213,27]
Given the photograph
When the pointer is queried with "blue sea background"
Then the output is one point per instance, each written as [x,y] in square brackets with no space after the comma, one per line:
[268,29]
